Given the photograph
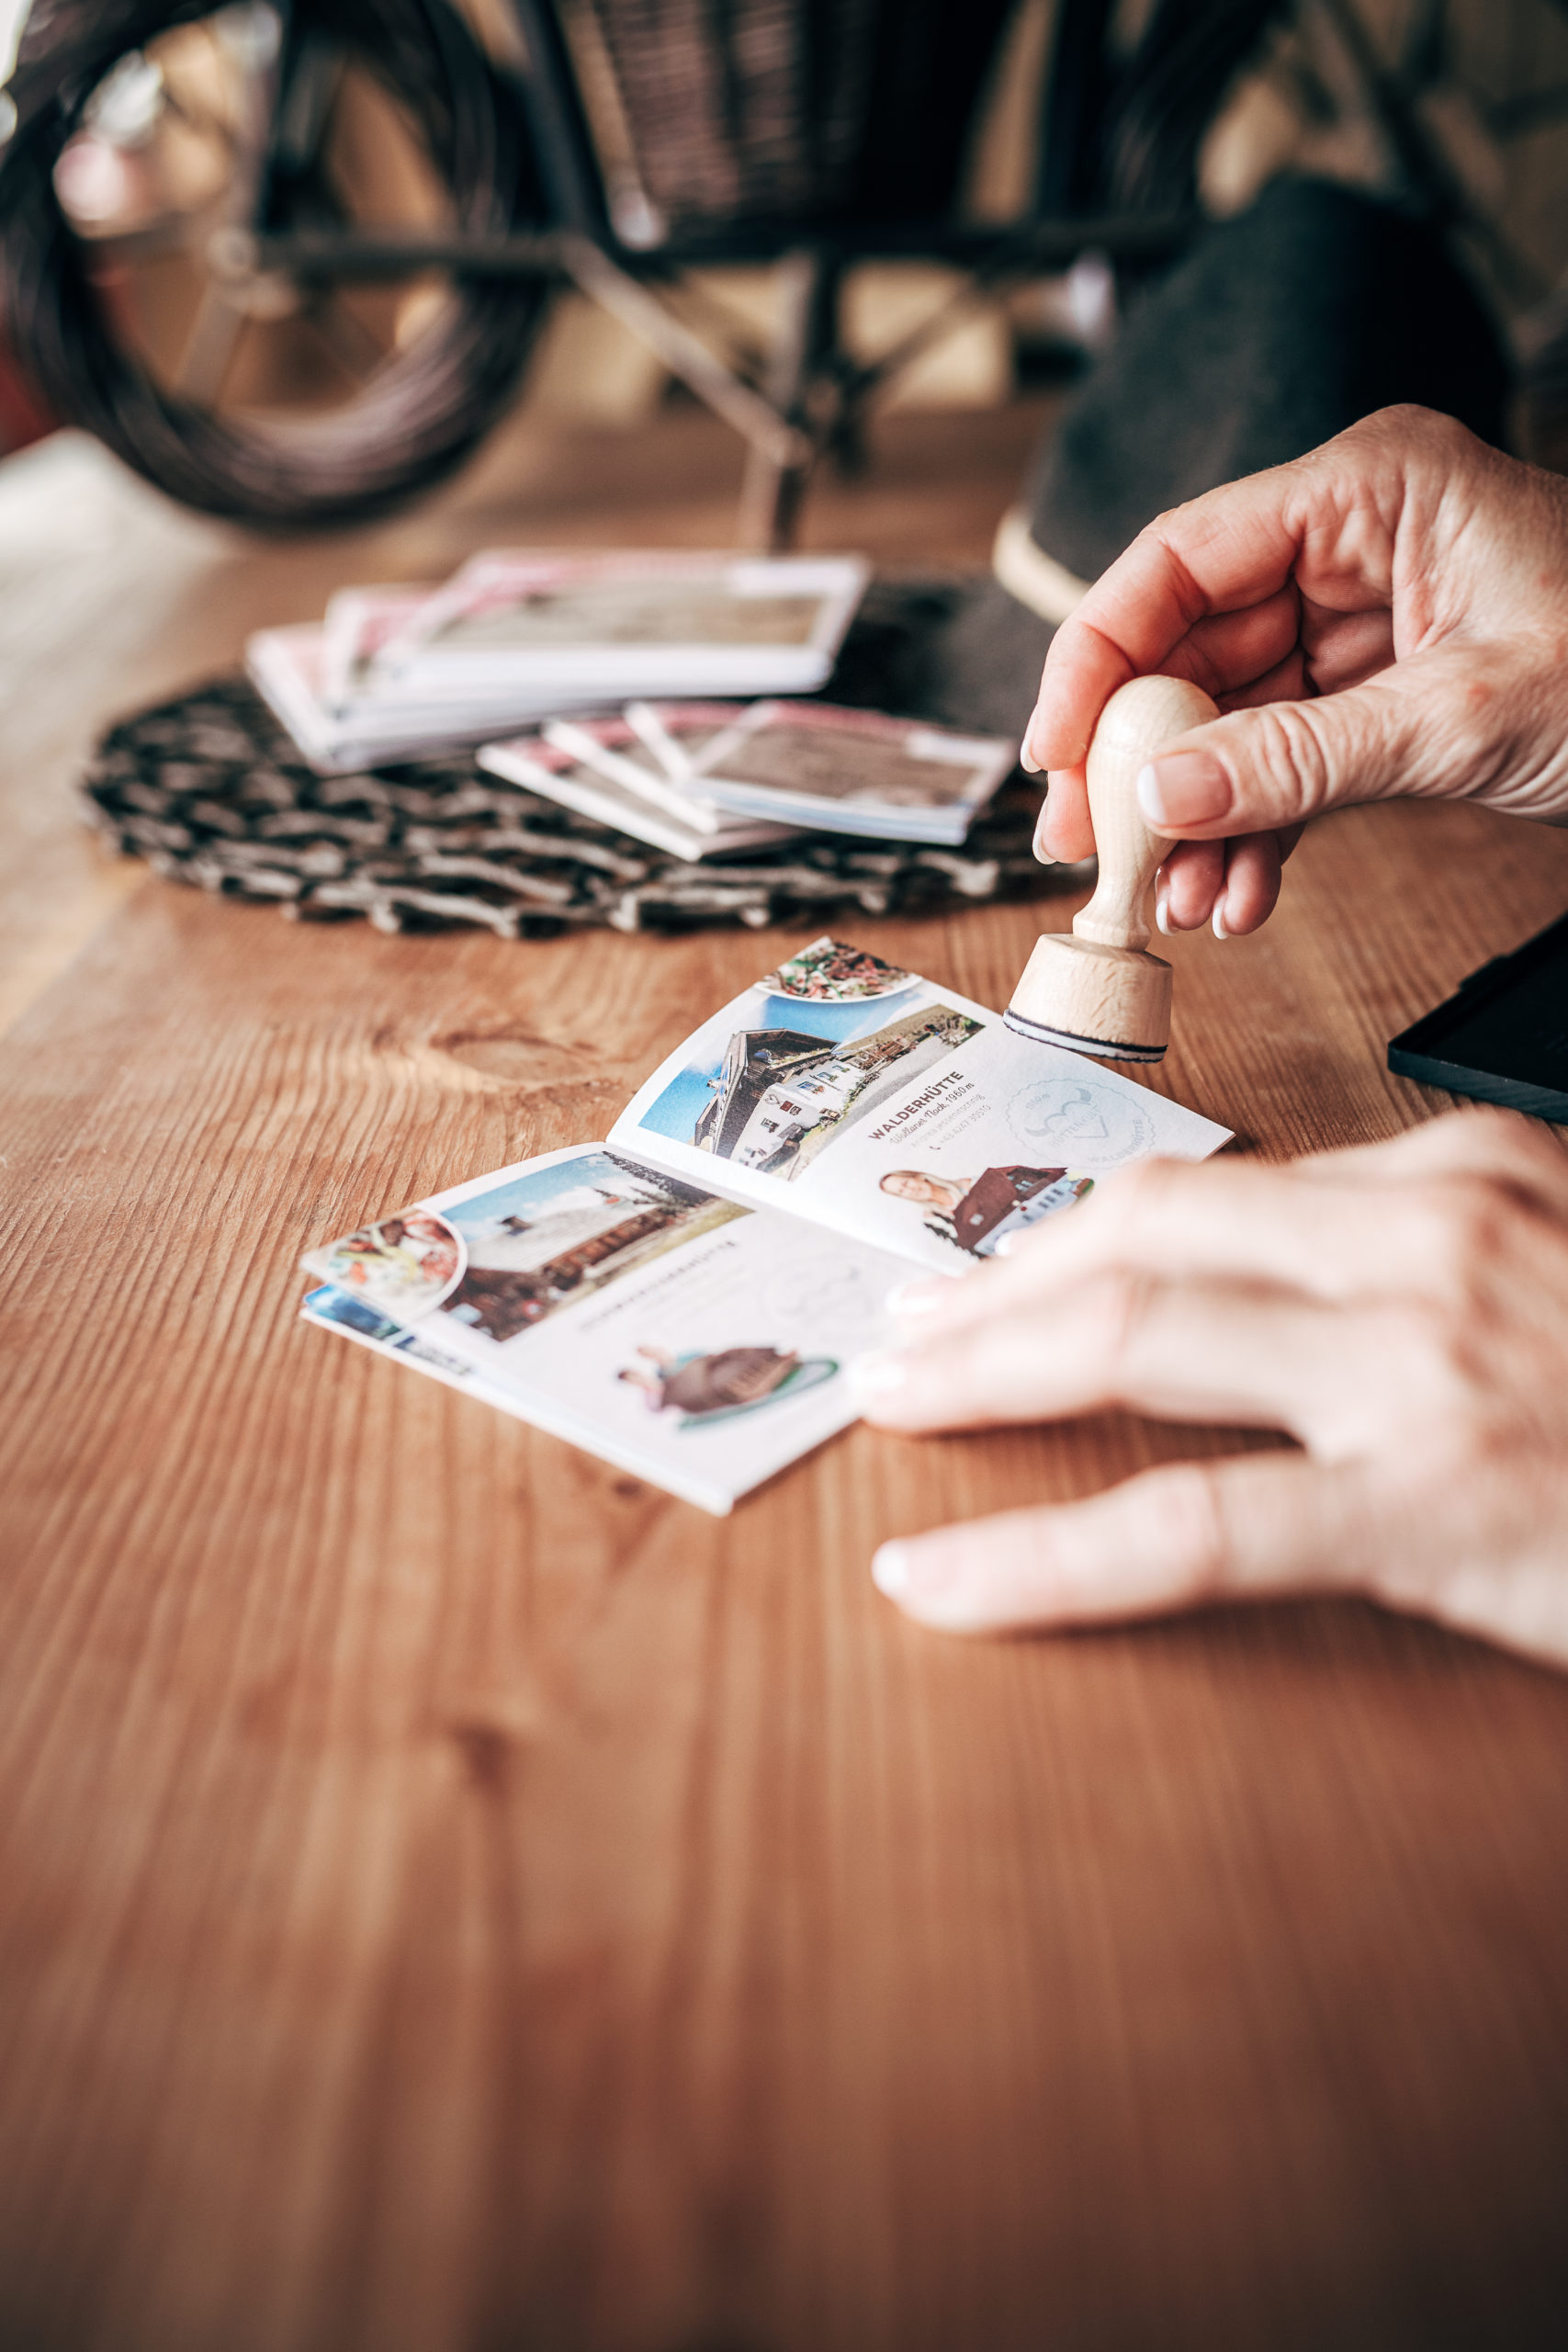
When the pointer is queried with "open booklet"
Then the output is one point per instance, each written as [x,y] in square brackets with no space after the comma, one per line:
[684,1299]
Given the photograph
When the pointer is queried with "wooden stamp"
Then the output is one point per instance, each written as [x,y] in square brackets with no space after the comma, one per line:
[1098,989]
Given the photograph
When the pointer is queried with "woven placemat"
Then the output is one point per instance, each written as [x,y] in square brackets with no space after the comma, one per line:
[211,791]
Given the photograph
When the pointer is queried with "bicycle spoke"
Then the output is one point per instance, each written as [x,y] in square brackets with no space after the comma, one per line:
[210,349]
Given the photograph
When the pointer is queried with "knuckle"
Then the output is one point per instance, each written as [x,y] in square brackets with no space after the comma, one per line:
[1439,432]
[1143,1193]
[1140,1187]
[1406,424]
[1436,1354]
[1146,1206]
[1119,1313]
[1488,1122]
[1516,1142]
[1481,1442]
[1188,1501]
[1290,756]
[1166,533]
[1194,660]
[1464,1230]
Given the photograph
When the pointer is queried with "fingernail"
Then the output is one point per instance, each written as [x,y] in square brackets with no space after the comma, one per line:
[900,1569]
[1041,851]
[1027,759]
[878,1375]
[915,1298]
[1162,905]
[1187,788]
[1220,930]
[890,1570]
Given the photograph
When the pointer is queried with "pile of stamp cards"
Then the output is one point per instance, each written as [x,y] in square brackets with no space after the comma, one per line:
[594,680]
[703,779]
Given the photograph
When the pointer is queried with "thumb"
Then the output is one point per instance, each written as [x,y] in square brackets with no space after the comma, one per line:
[1255,771]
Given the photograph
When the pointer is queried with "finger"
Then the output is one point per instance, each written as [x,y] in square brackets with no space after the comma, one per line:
[1320,1228]
[1456,722]
[1325,522]
[1287,681]
[1251,886]
[1230,1219]
[1065,830]
[1172,1538]
[1252,771]
[1189,884]
[1208,1350]
[1150,599]
[1345,649]
[1226,652]
[1523,1154]
[1197,876]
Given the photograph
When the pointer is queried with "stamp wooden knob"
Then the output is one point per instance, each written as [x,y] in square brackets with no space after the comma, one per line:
[1099,990]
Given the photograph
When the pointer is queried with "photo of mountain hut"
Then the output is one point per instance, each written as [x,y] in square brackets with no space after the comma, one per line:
[781,1095]
[522,1267]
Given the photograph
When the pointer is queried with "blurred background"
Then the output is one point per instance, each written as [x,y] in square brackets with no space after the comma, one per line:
[294,263]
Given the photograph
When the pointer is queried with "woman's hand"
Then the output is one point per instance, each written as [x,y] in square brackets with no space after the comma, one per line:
[1388,616]
[1402,1310]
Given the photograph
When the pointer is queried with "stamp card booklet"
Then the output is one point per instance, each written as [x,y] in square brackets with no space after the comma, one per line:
[685,1299]
[854,771]
[632,622]
[520,635]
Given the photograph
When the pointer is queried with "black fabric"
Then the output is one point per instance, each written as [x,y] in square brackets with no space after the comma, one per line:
[961,651]
[1281,327]
[1123,126]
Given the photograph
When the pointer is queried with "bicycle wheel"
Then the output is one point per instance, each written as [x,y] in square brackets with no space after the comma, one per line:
[152,140]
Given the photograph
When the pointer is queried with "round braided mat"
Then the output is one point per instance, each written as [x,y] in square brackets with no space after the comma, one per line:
[210,790]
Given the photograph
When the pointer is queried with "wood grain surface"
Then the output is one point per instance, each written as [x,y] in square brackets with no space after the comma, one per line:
[455,1898]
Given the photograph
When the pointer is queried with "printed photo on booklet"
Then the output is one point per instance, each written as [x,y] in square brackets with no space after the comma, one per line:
[630,623]
[854,771]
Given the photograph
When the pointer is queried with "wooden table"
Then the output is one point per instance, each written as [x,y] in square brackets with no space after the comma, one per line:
[453,1898]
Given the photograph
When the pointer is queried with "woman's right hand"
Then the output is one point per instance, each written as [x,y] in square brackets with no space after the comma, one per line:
[1385,616]
[1401,1309]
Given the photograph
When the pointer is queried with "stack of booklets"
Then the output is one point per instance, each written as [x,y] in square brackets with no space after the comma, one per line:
[522,654]
[686,1299]
[703,779]
[636,777]
[520,635]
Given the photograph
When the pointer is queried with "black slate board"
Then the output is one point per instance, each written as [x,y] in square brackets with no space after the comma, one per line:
[1503,1037]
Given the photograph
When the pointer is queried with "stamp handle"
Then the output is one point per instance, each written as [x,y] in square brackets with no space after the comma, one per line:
[1138,720]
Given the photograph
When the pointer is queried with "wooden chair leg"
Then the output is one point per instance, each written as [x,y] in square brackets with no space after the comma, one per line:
[805,343]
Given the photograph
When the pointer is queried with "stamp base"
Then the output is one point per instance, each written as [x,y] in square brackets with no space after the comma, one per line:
[1094,999]
[1108,1049]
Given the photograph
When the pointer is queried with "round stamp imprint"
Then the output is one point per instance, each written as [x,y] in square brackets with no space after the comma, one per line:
[1086,1123]
[824,1293]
